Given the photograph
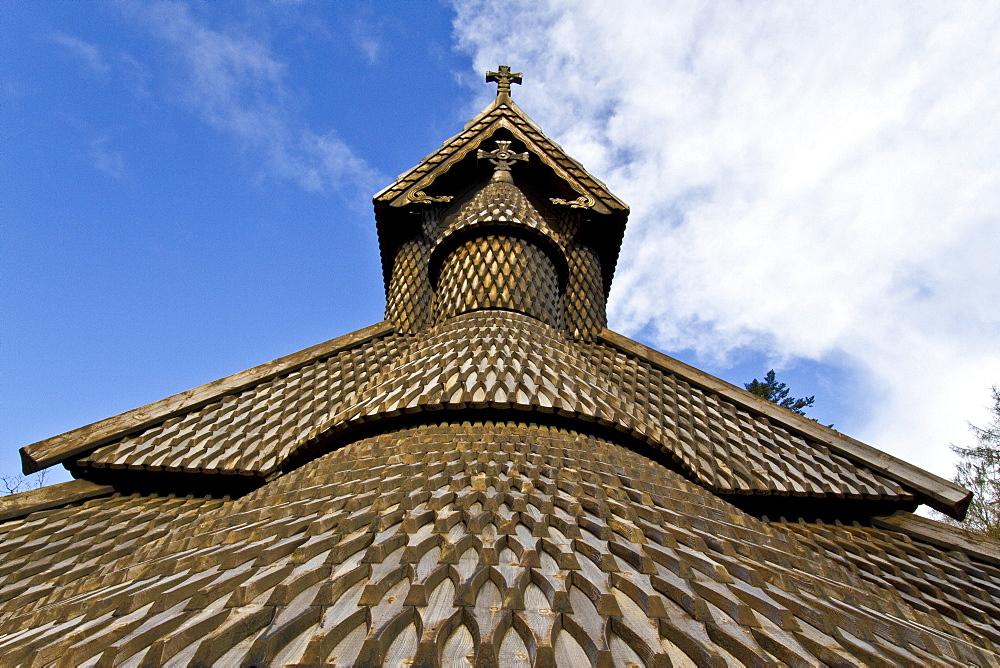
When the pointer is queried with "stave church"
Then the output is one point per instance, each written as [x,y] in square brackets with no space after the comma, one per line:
[488,477]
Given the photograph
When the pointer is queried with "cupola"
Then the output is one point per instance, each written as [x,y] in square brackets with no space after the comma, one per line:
[499,218]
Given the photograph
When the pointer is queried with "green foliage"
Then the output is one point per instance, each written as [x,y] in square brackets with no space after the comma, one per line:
[979,471]
[777,393]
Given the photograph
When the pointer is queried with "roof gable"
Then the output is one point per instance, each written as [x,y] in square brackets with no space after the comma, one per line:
[411,186]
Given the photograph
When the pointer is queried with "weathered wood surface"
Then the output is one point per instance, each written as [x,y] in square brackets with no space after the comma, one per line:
[943,535]
[24,503]
[941,494]
[53,450]
[253,431]
[576,188]
[508,543]
[498,361]
[435,254]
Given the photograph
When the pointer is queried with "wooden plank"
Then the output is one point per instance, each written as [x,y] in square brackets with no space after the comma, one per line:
[941,494]
[942,535]
[43,498]
[53,450]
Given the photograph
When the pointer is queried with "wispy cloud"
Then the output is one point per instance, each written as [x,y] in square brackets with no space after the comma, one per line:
[89,54]
[236,84]
[107,160]
[366,38]
[812,181]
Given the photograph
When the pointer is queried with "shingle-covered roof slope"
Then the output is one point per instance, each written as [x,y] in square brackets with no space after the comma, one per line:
[480,543]
[494,360]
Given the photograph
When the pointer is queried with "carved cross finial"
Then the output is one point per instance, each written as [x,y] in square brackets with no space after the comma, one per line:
[504,78]
[502,157]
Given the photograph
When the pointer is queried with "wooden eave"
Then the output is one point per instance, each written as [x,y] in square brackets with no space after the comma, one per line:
[52,496]
[942,535]
[56,449]
[940,494]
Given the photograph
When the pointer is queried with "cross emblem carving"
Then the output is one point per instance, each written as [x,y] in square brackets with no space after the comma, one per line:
[504,78]
[502,157]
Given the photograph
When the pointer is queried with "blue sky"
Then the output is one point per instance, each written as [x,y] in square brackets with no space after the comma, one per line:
[188,189]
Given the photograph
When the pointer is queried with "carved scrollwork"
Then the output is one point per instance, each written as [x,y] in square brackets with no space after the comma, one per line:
[581,202]
[420,197]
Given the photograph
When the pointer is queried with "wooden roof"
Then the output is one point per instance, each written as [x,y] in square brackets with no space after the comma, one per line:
[505,542]
[722,436]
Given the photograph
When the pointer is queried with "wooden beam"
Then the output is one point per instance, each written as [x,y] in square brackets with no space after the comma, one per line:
[43,498]
[940,494]
[53,450]
[942,535]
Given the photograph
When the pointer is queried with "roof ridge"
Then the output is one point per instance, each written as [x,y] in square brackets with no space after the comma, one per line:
[942,495]
[49,451]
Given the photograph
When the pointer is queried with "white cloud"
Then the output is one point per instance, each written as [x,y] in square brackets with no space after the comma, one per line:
[815,181]
[238,86]
[109,161]
[88,53]
[367,39]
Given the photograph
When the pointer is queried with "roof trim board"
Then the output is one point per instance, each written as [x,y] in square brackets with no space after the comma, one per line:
[43,498]
[50,451]
[942,535]
[942,495]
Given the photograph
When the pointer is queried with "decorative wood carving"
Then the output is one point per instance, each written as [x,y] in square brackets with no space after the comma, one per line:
[581,202]
[420,197]
[502,157]
[503,78]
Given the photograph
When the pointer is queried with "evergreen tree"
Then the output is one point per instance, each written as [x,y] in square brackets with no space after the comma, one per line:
[979,471]
[777,393]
